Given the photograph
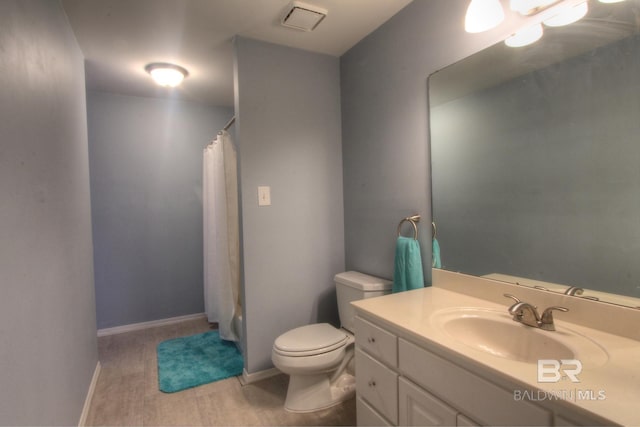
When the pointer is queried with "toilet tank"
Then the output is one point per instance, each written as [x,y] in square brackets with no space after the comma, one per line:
[353,286]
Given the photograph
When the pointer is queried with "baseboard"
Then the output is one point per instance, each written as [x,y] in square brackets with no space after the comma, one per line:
[144,325]
[89,398]
[248,378]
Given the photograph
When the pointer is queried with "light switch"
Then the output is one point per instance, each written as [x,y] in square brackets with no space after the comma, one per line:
[264,196]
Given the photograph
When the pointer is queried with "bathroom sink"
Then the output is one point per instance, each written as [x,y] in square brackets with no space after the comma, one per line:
[495,332]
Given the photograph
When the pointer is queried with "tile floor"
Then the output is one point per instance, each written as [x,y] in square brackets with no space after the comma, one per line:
[127,390]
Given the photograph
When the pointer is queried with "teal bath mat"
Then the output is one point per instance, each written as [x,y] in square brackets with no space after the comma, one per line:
[199,359]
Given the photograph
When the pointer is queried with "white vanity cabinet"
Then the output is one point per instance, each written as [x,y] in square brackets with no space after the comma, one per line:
[412,370]
[401,383]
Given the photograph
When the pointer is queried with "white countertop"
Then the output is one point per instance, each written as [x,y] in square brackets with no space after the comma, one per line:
[617,379]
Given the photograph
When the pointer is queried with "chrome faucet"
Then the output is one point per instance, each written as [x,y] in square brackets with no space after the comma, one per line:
[525,313]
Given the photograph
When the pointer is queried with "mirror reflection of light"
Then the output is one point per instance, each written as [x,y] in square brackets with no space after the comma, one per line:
[525,37]
[568,16]
[483,15]
[525,7]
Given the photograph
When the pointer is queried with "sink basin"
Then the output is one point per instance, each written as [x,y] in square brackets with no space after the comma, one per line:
[495,332]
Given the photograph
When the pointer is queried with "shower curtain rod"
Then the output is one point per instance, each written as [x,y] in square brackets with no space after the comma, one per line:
[229,123]
[226,127]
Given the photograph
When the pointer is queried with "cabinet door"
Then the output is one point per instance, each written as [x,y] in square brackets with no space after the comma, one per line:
[472,394]
[417,407]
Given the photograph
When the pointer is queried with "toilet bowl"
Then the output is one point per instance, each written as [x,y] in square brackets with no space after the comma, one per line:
[309,354]
[319,357]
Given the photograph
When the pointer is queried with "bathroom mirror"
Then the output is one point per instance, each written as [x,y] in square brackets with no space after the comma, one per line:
[536,159]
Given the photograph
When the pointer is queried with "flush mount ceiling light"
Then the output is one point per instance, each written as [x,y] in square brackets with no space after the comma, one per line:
[483,15]
[167,75]
[611,1]
[525,37]
[568,16]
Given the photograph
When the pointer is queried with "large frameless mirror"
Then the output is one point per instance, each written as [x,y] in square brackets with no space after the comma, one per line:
[536,159]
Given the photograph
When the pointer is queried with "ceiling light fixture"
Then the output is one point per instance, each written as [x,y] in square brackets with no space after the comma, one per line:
[568,16]
[483,15]
[611,1]
[167,75]
[525,37]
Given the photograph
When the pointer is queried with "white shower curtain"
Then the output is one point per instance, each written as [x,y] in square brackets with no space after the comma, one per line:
[221,239]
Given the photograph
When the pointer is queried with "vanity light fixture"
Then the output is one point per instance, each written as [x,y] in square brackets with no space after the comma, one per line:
[525,37]
[530,7]
[483,15]
[165,74]
[568,16]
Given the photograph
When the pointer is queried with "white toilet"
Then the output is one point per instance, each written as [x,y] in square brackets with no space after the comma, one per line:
[317,357]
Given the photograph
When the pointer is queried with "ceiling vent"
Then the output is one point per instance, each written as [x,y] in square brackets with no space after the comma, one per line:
[302,16]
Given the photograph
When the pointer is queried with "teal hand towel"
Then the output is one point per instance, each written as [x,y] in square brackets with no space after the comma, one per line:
[407,273]
[435,254]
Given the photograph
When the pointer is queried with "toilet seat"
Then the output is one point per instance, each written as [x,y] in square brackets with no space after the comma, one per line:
[310,340]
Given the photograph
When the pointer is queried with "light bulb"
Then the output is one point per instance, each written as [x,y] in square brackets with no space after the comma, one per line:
[167,75]
[525,37]
[568,16]
[483,15]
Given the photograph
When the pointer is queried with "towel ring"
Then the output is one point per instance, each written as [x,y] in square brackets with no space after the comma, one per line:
[412,219]
[434,231]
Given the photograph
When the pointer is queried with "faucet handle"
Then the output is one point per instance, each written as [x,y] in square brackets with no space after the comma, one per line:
[573,291]
[513,297]
[546,320]
[515,309]
[517,300]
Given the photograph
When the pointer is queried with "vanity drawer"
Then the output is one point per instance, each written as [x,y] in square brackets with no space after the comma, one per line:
[377,385]
[376,341]
[367,416]
[469,393]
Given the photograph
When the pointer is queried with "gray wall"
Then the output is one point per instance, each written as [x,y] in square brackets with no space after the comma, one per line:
[546,184]
[48,346]
[146,195]
[385,125]
[288,130]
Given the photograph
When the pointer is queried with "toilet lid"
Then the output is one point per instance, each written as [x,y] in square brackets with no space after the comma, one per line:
[317,338]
